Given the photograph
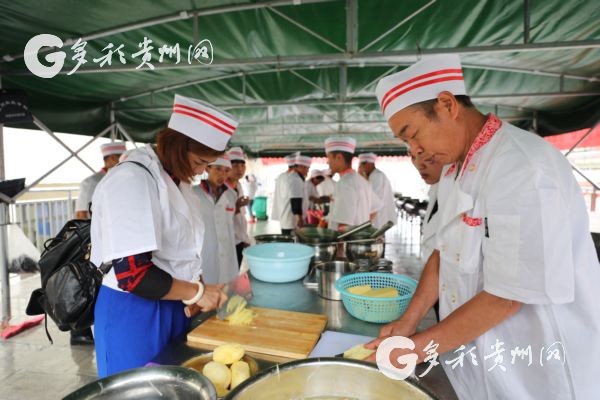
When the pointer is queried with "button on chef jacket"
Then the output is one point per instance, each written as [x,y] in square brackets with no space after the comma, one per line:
[86,190]
[137,213]
[514,223]
[430,224]
[279,195]
[240,225]
[352,201]
[218,249]
[295,189]
[383,189]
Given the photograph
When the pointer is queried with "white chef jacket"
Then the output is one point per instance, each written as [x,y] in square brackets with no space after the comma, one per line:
[430,225]
[86,190]
[383,189]
[295,189]
[352,201]
[240,225]
[136,213]
[326,188]
[279,194]
[515,225]
[310,190]
[219,258]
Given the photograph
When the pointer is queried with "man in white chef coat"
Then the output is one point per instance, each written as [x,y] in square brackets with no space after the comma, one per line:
[353,199]
[382,187]
[281,187]
[515,268]
[240,224]
[292,209]
[110,154]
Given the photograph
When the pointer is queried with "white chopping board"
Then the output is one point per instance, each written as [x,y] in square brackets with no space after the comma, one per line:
[333,343]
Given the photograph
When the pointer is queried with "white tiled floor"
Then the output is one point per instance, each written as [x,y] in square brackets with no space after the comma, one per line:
[32,368]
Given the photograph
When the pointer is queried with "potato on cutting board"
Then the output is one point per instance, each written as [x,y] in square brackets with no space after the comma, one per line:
[358,352]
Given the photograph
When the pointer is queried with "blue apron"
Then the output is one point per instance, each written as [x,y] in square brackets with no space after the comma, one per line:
[129,331]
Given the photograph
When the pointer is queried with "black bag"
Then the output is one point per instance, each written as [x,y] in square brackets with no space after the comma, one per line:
[70,281]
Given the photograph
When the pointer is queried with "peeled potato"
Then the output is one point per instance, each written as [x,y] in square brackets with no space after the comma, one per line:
[387,292]
[358,352]
[221,391]
[228,353]
[217,373]
[240,371]
[359,290]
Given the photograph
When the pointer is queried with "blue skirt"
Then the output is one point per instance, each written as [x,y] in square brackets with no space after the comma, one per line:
[129,331]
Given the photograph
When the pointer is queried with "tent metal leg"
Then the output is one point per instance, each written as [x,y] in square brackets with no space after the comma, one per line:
[6,309]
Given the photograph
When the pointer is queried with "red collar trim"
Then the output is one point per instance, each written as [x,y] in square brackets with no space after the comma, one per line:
[349,170]
[229,185]
[103,170]
[450,170]
[486,134]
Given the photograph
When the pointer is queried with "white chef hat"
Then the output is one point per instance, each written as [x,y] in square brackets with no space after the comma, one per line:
[315,173]
[236,154]
[202,122]
[421,81]
[304,161]
[367,157]
[290,159]
[346,144]
[222,161]
[108,149]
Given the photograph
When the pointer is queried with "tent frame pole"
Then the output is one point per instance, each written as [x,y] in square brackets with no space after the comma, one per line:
[4,276]
[582,138]
[126,134]
[60,164]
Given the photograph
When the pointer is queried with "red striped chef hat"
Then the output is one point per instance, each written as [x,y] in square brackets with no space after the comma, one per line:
[222,161]
[422,81]
[236,154]
[202,122]
[346,144]
[367,157]
[109,149]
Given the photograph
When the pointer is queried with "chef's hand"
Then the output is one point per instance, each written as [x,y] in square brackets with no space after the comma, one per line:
[242,201]
[212,298]
[397,328]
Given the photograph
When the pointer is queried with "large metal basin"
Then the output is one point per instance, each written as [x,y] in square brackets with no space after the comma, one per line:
[313,235]
[326,378]
[369,249]
[273,239]
[148,383]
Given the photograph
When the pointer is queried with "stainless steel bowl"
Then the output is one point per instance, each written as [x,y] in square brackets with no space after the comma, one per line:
[328,273]
[149,383]
[326,377]
[273,239]
[371,250]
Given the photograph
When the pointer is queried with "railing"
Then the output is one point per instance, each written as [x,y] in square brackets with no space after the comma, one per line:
[41,219]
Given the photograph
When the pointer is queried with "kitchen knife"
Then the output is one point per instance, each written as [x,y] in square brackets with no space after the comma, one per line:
[238,286]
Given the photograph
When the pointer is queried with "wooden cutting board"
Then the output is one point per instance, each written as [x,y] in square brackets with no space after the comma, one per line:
[283,334]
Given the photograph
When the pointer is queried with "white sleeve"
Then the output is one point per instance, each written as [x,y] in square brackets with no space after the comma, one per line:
[85,195]
[128,209]
[376,202]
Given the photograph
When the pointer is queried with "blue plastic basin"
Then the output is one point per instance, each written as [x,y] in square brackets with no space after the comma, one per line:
[279,262]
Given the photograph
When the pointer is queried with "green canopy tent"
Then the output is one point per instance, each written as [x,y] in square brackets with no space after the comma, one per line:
[297,71]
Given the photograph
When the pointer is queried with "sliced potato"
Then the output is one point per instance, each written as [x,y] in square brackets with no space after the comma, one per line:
[240,371]
[217,373]
[358,352]
[228,353]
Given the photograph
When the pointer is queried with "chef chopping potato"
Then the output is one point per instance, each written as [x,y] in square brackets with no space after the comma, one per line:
[514,264]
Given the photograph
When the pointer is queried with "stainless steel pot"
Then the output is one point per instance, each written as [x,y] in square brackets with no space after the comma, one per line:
[368,249]
[149,383]
[324,252]
[328,273]
[326,378]
[273,239]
